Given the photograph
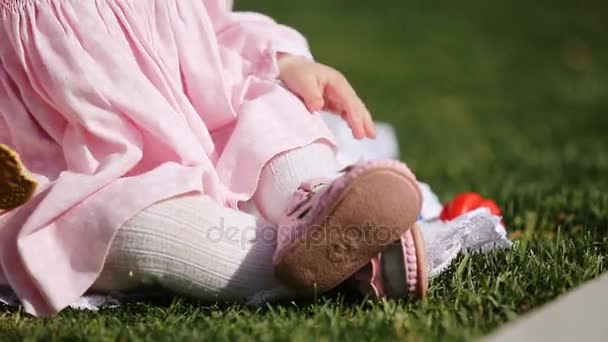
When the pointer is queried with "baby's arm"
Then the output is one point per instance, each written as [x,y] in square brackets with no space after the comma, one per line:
[257,38]
[254,35]
[322,87]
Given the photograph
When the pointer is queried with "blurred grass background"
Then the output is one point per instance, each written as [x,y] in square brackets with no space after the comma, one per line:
[475,88]
[508,98]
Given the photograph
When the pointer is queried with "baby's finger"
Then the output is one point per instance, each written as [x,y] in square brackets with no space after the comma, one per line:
[310,91]
[344,96]
[356,125]
[361,112]
[368,123]
[366,119]
[336,104]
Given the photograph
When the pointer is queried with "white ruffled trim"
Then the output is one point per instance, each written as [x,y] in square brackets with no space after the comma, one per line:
[475,231]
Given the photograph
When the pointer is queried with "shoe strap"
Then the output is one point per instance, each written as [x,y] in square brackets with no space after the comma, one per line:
[376,278]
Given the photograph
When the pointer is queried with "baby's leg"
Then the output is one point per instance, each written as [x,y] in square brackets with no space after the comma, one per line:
[285,172]
[330,228]
[196,247]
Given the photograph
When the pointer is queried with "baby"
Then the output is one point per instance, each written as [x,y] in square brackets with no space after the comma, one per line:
[151,125]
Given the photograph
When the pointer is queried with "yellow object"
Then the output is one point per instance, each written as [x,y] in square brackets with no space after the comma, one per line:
[16,185]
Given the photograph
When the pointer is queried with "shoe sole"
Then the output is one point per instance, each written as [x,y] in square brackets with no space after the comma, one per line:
[370,213]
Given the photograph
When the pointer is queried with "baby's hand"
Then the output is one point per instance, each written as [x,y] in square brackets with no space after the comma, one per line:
[322,87]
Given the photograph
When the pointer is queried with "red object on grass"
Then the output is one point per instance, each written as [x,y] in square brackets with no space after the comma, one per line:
[465,202]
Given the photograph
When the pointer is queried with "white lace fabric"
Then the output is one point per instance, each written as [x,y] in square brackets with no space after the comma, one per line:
[476,231]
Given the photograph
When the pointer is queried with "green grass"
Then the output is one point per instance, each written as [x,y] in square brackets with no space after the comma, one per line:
[507,98]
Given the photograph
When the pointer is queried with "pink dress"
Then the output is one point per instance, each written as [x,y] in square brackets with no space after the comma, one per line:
[116,104]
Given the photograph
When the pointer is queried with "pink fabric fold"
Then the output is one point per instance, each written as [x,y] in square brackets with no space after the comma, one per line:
[117,104]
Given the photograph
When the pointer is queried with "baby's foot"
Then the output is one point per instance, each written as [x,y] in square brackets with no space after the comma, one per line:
[16,186]
[332,228]
[398,272]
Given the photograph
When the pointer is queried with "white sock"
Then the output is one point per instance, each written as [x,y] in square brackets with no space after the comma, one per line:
[196,247]
[285,172]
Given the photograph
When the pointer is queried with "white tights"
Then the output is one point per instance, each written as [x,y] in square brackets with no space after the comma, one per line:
[194,246]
